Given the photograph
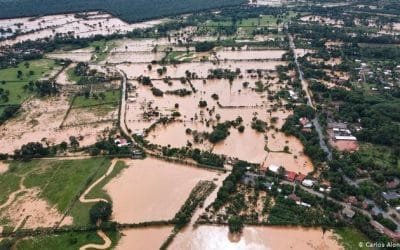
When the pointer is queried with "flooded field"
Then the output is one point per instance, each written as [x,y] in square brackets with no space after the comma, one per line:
[151,189]
[248,146]
[82,25]
[250,54]
[320,19]
[40,121]
[200,69]
[257,238]
[143,238]
[81,55]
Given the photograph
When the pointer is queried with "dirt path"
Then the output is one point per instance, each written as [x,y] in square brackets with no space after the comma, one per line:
[109,171]
[100,233]
[105,245]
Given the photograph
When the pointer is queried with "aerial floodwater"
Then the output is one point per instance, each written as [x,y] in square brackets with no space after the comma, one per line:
[199,124]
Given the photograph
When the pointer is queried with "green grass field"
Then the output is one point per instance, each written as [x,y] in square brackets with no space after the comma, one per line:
[350,238]
[40,69]
[65,241]
[10,81]
[111,96]
[80,210]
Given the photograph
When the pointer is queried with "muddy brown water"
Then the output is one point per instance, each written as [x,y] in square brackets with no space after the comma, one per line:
[255,238]
[152,189]
[143,238]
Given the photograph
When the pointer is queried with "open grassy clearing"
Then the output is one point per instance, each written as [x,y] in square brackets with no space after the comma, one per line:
[110,96]
[351,237]
[65,241]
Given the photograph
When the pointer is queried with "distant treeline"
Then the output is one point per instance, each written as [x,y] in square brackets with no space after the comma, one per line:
[128,10]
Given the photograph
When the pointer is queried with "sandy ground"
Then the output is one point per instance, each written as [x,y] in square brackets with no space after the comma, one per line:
[143,238]
[30,211]
[215,238]
[152,189]
[25,209]
[3,167]
[40,119]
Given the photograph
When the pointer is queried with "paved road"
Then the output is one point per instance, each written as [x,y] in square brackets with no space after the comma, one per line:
[304,84]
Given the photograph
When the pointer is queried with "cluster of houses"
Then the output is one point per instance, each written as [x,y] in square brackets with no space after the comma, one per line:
[290,175]
[385,77]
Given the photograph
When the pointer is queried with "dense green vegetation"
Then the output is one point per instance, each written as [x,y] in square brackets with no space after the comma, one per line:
[100,211]
[220,132]
[130,11]
[309,139]
[230,183]
[235,224]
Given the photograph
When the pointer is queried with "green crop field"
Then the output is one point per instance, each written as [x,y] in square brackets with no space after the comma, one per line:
[128,10]
[111,96]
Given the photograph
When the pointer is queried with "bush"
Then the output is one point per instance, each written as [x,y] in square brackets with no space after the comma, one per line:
[204,46]
[100,211]
[235,224]
[157,92]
